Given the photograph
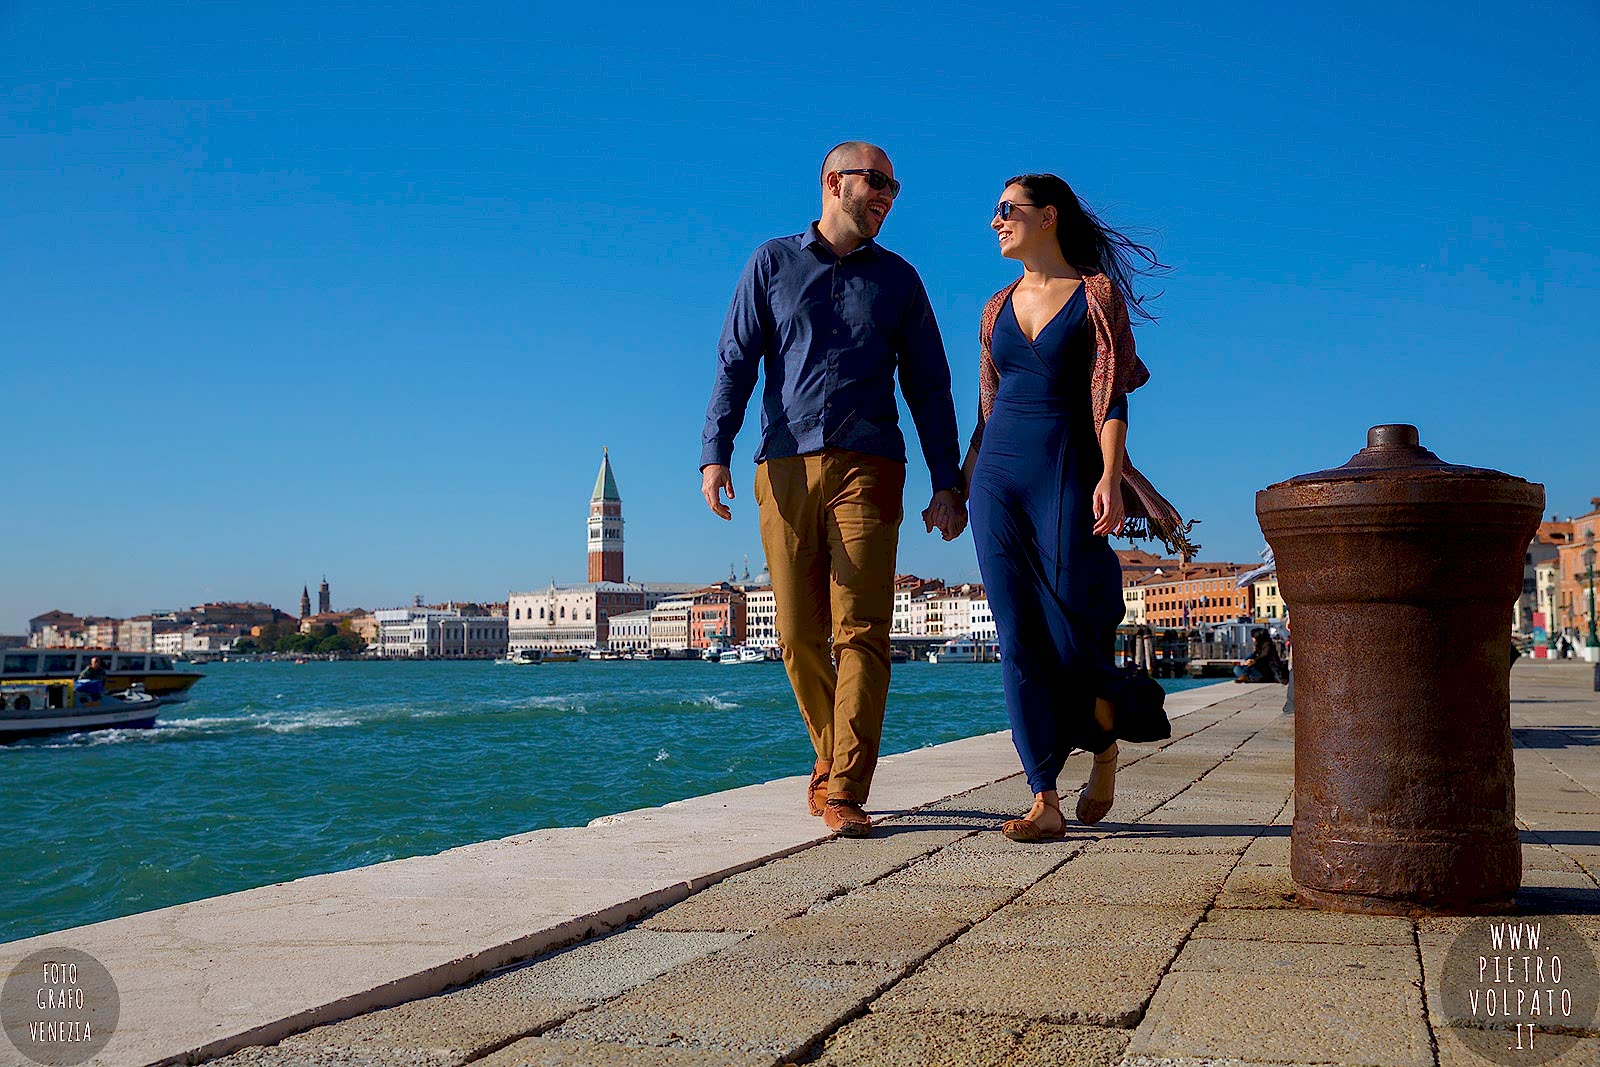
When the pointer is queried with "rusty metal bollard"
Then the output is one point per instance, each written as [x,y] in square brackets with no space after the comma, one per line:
[1400,571]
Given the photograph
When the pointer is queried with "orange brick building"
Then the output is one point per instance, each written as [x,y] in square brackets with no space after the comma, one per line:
[717,616]
[1572,594]
[1196,593]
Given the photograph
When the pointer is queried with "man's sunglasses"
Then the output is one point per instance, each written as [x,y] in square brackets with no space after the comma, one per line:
[1005,207]
[877,179]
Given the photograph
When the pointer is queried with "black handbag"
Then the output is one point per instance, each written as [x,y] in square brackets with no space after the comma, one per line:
[1139,705]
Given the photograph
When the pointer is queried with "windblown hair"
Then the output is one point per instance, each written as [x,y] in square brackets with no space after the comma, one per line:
[1089,244]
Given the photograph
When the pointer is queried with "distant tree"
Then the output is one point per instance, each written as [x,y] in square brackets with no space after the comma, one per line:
[246,645]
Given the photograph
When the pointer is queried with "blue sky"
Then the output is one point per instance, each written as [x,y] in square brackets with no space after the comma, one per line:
[363,289]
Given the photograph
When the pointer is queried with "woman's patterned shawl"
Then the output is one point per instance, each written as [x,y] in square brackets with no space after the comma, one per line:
[1117,372]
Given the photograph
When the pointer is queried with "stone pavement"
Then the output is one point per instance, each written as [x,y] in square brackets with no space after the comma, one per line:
[1168,934]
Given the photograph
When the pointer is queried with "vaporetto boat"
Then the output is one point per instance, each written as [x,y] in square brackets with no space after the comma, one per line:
[151,671]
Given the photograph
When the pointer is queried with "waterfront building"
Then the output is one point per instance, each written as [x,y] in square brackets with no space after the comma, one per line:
[438,632]
[365,626]
[980,617]
[1545,547]
[137,634]
[1133,599]
[169,643]
[577,617]
[953,608]
[717,616]
[761,617]
[99,632]
[62,621]
[922,612]
[605,526]
[238,614]
[335,619]
[630,632]
[1572,611]
[1267,601]
[1198,593]
[669,624]
[906,588]
[1547,597]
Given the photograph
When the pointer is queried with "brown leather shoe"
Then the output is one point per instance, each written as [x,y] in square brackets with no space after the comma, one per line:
[845,818]
[817,795]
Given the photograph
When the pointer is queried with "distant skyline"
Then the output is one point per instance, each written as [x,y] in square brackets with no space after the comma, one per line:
[364,291]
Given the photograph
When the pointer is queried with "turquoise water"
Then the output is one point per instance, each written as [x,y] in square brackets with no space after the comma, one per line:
[274,771]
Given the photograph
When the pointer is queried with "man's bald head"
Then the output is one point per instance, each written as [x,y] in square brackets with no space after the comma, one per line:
[850,154]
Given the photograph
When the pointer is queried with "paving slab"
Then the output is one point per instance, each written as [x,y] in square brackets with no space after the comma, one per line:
[1286,1019]
[1052,1045]
[916,903]
[736,1005]
[1258,886]
[921,1039]
[982,864]
[1102,985]
[552,1052]
[1066,925]
[1305,925]
[850,935]
[600,969]
[1134,878]
[1394,963]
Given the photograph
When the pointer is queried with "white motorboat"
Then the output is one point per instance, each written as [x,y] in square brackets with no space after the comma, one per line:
[965,649]
[527,657]
[43,706]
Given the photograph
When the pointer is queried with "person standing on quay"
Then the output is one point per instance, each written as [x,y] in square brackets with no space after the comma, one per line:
[833,316]
[1049,481]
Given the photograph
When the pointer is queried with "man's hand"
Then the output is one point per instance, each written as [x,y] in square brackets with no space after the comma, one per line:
[714,478]
[947,512]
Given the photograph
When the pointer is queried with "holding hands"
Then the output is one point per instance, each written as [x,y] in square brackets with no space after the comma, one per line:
[947,512]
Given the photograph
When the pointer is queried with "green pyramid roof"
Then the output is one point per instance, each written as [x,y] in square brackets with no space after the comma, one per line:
[605,484]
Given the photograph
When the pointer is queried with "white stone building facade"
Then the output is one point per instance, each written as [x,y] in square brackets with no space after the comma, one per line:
[761,618]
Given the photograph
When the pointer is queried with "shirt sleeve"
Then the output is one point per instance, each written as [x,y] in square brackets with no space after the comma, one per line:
[739,354]
[925,381]
[1118,409]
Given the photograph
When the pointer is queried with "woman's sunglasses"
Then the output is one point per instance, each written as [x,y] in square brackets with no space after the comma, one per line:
[1005,207]
[877,179]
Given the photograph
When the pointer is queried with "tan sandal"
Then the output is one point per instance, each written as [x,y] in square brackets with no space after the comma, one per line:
[1091,811]
[1027,831]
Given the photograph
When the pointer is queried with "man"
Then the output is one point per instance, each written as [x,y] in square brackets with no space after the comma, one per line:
[832,316]
[92,680]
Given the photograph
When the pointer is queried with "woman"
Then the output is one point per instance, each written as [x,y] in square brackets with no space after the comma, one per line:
[1049,481]
[1264,665]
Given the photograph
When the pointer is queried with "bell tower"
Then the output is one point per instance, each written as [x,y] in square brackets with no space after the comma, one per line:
[605,525]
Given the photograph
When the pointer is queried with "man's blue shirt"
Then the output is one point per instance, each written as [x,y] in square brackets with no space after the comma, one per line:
[832,332]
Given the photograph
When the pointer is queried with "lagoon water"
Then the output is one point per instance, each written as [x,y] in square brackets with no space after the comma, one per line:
[275,771]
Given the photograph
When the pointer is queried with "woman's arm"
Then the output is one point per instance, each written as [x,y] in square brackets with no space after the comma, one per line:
[1109,510]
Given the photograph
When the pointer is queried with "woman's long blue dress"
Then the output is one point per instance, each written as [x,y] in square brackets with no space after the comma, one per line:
[1055,587]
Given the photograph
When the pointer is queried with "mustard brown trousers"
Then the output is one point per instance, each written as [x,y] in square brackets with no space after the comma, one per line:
[830,524]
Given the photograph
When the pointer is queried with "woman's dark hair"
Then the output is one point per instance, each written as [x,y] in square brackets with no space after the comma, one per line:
[1089,244]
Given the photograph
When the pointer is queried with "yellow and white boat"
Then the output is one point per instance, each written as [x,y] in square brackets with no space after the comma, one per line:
[153,671]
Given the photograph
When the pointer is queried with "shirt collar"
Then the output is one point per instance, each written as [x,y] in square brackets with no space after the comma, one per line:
[814,237]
